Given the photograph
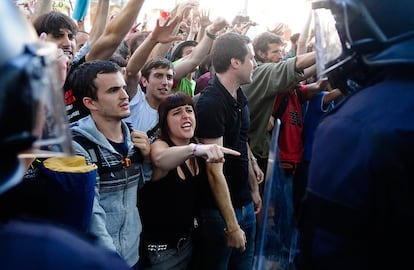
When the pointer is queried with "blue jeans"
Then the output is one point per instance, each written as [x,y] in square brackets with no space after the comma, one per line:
[214,253]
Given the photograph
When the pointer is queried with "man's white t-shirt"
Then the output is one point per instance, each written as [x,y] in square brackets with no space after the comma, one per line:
[143,117]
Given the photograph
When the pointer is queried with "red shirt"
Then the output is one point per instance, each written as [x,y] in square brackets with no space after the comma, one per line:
[290,135]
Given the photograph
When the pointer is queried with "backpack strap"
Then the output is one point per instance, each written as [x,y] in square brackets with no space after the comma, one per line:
[92,149]
[94,152]
[300,94]
[96,158]
[89,146]
[283,104]
[282,107]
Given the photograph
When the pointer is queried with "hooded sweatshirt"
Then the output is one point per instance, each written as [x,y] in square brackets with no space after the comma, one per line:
[115,219]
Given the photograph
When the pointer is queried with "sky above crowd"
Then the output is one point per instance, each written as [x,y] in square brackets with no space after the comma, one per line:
[266,13]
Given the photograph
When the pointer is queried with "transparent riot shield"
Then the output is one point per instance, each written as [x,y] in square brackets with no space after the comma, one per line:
[276,241]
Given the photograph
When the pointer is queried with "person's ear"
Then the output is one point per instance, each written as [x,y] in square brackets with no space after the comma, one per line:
[89,103]
[144,81]
[235,63]
[261,54]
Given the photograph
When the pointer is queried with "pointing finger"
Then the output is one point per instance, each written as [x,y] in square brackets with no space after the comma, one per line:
[230,151]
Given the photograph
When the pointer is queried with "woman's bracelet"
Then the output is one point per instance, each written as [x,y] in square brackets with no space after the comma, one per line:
[253,158]
[195,149]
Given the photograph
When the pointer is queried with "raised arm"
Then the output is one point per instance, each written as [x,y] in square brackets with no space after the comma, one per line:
[42,7]
[304,35]
[194,27]
[304,61]
[200,51]
[99,24]
[160,34]
[180,11]
[309,72]
[204,22]
[115,31]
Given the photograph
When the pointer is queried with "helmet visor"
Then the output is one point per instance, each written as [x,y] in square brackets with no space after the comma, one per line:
[50,124]
[328,44]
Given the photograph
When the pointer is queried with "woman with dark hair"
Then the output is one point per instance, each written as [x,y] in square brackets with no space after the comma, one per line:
[168,203]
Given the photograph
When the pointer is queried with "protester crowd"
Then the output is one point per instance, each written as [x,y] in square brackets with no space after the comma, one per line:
[170,135]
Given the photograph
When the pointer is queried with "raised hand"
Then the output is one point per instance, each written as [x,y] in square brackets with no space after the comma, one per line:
[205,18]
[217,25]
[183,9]
[164,33]
[194,26]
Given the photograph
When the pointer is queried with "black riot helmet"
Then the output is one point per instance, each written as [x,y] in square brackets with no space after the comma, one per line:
[33,119]
[356,38]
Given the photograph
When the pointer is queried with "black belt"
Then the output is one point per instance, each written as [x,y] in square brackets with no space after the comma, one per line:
[168,245]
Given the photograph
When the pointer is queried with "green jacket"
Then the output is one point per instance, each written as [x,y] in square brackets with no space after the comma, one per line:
[269,79]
